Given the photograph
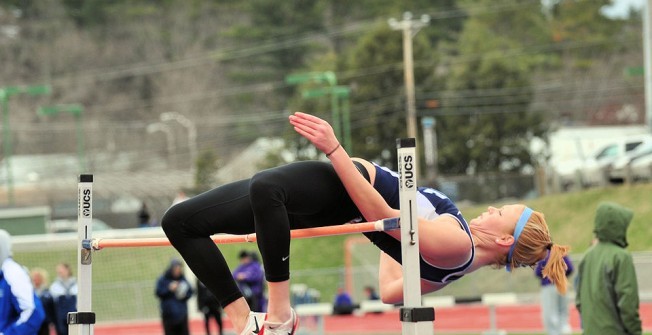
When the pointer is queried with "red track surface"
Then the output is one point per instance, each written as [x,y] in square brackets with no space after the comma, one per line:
[459,319]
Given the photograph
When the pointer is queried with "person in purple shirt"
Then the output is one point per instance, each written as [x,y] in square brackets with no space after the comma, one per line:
[250,278]
[554,306]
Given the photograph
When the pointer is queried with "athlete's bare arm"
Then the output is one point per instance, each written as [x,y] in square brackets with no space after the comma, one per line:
[441,241]
[370,203]
[390,281]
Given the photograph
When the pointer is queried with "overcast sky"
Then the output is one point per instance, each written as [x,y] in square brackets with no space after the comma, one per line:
[620,8]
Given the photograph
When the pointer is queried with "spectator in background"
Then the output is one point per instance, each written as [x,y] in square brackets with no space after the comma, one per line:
[250,277]
[554,305]
[64,297]
[260,294]
[370,293]
[40,281]
[343,303]
[607,289]
[210,307]
[21,312]
[144,216]
[173,290]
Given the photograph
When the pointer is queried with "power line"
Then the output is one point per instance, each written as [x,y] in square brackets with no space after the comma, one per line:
[256,48]
[480,97]
[344,75]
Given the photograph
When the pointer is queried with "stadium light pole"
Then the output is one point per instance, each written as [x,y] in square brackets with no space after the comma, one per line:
[329,78]
[409,27]
[76,110]
[341,93]
[5,94]
[192,132]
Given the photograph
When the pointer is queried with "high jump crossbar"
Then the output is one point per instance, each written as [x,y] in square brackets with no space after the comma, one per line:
[349,228]
[415,319]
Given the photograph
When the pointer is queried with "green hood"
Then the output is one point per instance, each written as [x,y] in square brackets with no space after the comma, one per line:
[611,222]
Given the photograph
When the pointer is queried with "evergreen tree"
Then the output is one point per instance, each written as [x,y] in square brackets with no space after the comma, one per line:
[486,125]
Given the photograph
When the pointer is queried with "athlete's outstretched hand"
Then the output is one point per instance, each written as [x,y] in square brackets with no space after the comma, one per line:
[316,130]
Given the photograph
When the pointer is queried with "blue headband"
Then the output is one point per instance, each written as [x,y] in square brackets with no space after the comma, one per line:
[525,216]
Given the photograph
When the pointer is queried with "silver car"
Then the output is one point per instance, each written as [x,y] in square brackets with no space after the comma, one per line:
[620,169]
[597,170]
[641,167]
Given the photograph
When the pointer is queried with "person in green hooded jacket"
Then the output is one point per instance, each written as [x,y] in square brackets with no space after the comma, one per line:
[607,290]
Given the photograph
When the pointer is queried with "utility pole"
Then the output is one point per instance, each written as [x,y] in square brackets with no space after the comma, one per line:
[647,54]
[410,28]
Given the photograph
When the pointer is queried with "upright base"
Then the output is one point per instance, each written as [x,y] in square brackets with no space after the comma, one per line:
[417,320]
[80,329]
[81,323]
[420,328]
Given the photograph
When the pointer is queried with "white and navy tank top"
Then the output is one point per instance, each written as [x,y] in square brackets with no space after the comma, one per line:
[430,204]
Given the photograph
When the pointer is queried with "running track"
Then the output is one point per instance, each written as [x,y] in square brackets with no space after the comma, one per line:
[471,319]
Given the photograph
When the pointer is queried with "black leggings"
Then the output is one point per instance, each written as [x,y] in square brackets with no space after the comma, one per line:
[298,195]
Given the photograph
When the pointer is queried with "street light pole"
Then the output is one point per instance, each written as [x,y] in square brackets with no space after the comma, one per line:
[76,110]
[192,133]
[410,28]
[5,93]
[430,147]
[159,126]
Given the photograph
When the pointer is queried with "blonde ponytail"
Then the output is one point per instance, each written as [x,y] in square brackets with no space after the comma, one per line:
[534,244]
[555,269]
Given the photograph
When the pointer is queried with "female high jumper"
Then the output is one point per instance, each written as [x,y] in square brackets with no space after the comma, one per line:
[316,193]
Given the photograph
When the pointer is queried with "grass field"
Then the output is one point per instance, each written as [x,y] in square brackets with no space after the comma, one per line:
[570,215]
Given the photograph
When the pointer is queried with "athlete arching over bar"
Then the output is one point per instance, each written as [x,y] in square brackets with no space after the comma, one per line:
[314,193]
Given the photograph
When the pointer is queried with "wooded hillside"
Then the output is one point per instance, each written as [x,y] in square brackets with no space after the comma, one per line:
[495,74]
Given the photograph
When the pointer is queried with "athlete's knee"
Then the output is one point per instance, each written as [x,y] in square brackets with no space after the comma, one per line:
[265,186]
[171,222]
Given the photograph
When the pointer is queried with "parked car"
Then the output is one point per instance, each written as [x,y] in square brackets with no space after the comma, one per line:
[595,170]
[620,169]
[641,167]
